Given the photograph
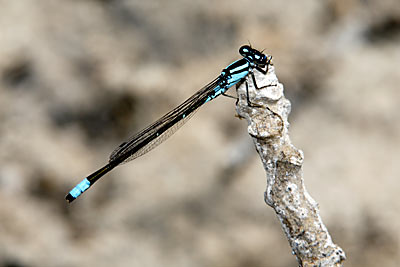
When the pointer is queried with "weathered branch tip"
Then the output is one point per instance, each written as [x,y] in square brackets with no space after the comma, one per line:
[267,117]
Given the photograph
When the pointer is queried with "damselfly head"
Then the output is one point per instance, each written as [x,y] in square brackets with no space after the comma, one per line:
[253,55]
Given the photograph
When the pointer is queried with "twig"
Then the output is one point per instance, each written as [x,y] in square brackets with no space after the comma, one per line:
[267,118]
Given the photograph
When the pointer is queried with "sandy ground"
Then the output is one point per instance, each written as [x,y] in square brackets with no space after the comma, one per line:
[78,77]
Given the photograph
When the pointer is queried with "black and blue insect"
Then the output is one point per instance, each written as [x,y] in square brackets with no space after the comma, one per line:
[159,131]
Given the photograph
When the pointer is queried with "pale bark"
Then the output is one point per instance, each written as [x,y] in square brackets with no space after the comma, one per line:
[298,213]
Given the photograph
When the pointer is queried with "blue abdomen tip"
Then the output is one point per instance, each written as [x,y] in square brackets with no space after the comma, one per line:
[80,188]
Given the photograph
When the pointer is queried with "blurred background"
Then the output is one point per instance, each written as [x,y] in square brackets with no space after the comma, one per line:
[78,77]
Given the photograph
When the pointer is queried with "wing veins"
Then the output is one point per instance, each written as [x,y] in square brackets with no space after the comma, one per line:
[160,130]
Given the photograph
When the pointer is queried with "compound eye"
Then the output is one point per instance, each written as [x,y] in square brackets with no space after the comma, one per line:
[245,50]
[261,59]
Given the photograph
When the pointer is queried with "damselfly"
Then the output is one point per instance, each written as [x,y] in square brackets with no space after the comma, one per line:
[159,131]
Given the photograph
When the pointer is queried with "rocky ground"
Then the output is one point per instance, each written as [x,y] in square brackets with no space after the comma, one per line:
[78,77]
